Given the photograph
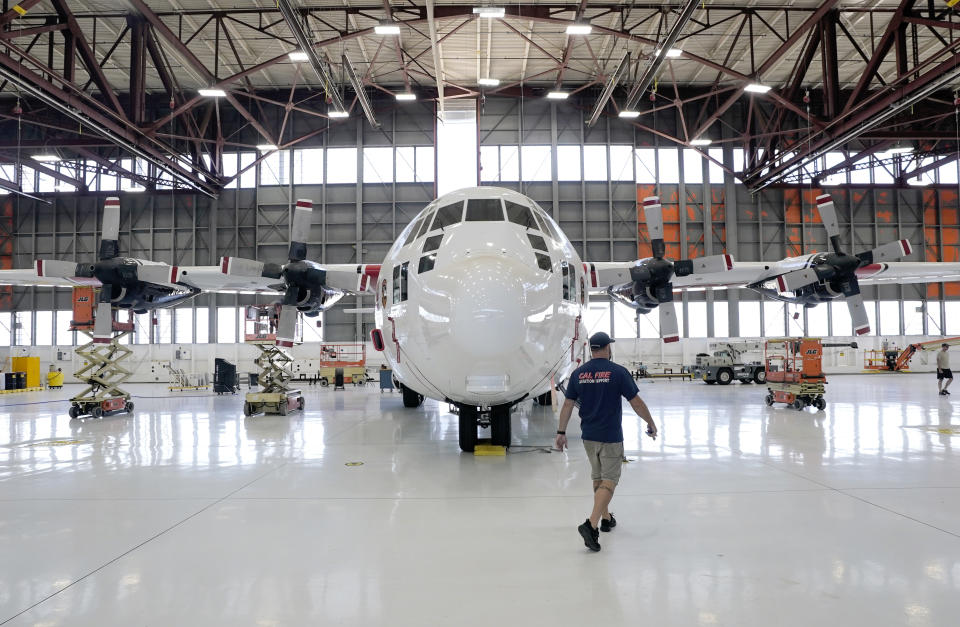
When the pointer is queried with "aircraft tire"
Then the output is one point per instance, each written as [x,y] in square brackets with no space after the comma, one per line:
[500,425]
[468,428]
[410,397]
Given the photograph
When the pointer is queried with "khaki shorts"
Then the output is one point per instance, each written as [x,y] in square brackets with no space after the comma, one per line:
[606,460]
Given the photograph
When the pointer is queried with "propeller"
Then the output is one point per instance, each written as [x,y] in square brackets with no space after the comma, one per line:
[299,234]
[652,277]
[837,270]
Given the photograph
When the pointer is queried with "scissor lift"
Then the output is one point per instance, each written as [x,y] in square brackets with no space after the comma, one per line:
[276,366]
[795,373]
[103,371]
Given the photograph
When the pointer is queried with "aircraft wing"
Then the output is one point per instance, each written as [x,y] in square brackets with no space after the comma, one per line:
[606,274]
[246,275]
[35,277]
[744,273]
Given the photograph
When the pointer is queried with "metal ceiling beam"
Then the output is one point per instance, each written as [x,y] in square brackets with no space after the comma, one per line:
[437,60]
[612,81]
[651,71]
[357,84]
[319,66]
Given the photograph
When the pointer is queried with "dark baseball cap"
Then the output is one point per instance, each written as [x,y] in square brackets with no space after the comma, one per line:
[600,340]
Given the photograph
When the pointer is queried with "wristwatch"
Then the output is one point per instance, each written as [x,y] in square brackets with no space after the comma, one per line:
[559,432]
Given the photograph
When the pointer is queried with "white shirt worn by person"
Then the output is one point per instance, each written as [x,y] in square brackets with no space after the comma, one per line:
[943,360]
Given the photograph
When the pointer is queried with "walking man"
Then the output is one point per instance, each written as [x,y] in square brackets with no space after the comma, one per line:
[944,374]
[599,385]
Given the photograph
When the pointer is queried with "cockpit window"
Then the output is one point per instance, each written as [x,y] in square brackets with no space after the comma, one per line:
[518,214]
[537,242]
[548,227]
[426,224]
[543,261]
[412,235]
[484,210]
[432,243]
[450,214]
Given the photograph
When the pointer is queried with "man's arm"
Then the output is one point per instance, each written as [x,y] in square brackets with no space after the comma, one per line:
[565,412]
[644,412]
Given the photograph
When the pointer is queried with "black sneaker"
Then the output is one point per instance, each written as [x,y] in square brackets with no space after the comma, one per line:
[607,525]
[591,537]
[946,393]
[943,392]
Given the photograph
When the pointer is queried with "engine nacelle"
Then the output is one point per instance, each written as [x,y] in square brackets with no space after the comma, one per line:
[313,295]
[817,293]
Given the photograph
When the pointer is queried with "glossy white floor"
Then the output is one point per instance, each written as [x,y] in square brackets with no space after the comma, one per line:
[189,514]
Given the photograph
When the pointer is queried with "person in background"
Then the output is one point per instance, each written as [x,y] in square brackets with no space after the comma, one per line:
[944,374]
[599,385]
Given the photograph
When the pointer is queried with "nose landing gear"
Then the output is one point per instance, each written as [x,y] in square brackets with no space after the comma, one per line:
[497,418]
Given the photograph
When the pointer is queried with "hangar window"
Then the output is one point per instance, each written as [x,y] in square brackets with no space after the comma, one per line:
[44,336]
[543,261]
[484,210]
[275,168]
[6,326]
[595,163]
[518,214]
[308,166]
[341,165]
[426,263]
[432,243]
[568,163]
[448,215]
[400,282]
[536,163]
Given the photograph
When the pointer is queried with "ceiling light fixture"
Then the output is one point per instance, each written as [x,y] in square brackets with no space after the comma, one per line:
[336,113]
[700,141]
[899,150]
[489,12]
[672,53]
[629,114]
[267,147]
[405,95]
[488,82]
[46,158]
[579,28]
[558,95]
[757,88]
[387,28]
[212,92]
[298,56]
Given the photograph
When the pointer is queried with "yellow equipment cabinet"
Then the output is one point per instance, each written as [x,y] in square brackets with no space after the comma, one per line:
[55,379]
[29,365]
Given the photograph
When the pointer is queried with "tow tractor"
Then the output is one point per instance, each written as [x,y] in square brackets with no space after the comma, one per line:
[276,396]
[727,363]
[103,371]
[892,360]
[794,371]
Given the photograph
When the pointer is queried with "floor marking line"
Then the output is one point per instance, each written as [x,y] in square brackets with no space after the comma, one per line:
[863,500]
[147,541]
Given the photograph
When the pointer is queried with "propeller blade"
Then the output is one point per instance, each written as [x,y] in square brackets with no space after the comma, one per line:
[300,229]
[858,314]
[158,274]
[110,229]
[287,326]
[669,329]
[828,215]
[238,266]
[54,268]
[792,281]
[103,320]
[703,265]
[886,252]
[653,211]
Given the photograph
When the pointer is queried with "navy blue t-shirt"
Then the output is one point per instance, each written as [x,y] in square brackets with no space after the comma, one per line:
[599,384]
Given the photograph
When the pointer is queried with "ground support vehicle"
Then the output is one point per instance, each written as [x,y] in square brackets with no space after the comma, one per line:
[103,372]
[893,360]
[794,372]
[727,364]
[276,366]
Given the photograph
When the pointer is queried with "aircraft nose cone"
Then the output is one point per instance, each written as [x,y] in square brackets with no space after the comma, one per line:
[487,311]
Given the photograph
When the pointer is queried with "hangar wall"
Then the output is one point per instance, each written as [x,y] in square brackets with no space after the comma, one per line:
[358,220]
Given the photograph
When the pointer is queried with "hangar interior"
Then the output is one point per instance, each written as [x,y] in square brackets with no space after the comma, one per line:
[356,510]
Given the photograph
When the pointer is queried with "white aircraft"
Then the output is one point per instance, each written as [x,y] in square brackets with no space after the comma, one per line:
[481,300]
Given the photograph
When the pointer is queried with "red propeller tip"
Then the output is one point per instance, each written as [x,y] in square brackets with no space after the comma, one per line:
[672,338]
